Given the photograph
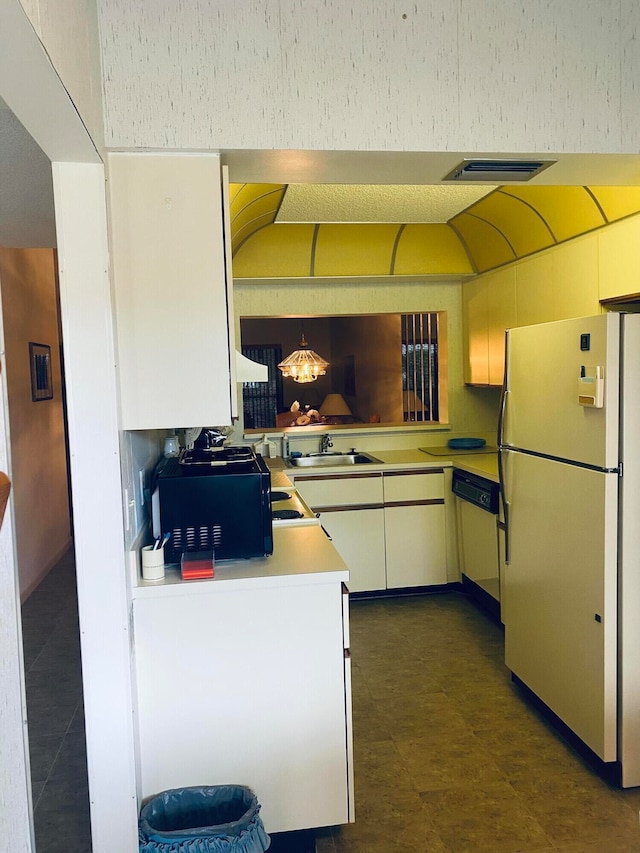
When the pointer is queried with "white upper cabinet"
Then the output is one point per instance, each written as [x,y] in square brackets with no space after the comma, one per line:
[170,283]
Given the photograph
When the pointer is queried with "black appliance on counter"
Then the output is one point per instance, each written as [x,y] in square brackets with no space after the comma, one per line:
[214,499]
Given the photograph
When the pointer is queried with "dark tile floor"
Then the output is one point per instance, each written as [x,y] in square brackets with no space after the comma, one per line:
[55,714]
[449,756]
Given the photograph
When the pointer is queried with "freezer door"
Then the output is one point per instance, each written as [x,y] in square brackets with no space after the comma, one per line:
[560,590]
[542,412]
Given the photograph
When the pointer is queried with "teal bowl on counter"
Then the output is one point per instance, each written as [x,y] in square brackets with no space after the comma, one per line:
[466,443]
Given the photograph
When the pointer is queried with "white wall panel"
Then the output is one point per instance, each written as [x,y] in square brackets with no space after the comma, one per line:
[85,302]
[544,75]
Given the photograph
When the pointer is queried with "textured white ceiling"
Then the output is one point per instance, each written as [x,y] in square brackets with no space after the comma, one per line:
[376,203]
[26,188]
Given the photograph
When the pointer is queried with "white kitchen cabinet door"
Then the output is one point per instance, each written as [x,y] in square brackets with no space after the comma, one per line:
[340,490]
[416,549]
[247,687]
[415,528]
[359,538]
[168,267]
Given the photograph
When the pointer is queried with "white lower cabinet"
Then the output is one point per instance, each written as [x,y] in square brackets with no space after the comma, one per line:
[248,685]
[415,546]
[415,528]
[351,511]
[390,529]
[359,537]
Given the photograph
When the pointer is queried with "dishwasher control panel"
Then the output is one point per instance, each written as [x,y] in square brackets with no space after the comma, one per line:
[476,490]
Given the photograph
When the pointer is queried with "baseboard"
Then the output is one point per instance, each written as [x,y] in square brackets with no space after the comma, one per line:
[434,589]
[482,597]
[53,561]
[302,841]
[610,771]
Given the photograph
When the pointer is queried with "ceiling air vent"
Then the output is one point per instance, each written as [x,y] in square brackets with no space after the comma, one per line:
[497,171]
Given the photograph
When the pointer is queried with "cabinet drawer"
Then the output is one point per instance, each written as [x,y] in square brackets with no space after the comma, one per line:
[341,490]
[417,486]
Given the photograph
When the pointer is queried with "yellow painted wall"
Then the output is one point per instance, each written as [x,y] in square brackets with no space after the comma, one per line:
[39,473]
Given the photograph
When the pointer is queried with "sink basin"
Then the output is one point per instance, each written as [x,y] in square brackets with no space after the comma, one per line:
[319,460]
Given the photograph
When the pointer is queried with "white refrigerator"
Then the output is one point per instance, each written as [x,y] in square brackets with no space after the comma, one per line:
[569,459]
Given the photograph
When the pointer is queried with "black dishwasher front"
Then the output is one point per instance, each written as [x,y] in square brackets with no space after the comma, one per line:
[476,515]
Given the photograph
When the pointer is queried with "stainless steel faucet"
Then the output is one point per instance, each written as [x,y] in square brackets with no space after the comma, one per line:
[325,443]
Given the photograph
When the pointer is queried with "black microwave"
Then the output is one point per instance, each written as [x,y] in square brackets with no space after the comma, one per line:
[214,499]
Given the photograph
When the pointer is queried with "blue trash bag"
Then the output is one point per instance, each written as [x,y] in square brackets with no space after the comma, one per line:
[217,819]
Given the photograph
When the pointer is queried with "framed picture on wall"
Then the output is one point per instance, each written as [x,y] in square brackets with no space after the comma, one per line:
[40,360]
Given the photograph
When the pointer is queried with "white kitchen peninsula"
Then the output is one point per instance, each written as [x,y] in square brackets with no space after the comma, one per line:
[245,678]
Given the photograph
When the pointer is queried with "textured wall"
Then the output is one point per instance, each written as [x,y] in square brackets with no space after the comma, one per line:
[39,473]
[430,75]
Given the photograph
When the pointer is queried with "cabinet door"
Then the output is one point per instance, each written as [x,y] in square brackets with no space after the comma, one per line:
[340,490]
[168,266]
[246,685]
[501,299]
[619,259]
[475,332]
[359,537]
[415,545]
[415,528]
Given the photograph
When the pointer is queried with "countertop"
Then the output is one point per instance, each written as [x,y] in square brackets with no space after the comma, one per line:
[301,555]
[482,464]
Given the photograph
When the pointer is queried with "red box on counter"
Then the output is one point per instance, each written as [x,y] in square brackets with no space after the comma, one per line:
[196,564]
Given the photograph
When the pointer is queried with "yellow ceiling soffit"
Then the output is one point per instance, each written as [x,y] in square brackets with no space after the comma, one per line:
[486,245]
[278,251]
[520,224]
[568,211]
[436,248]
[350,250]
[293,251]
[253,206]
[511,223]
[617,202]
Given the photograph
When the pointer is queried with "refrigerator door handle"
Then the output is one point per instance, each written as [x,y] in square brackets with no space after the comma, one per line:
[506,507]
[502,411]
[502,415]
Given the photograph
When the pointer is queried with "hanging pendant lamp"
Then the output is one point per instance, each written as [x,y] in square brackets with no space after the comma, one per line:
[303,365]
